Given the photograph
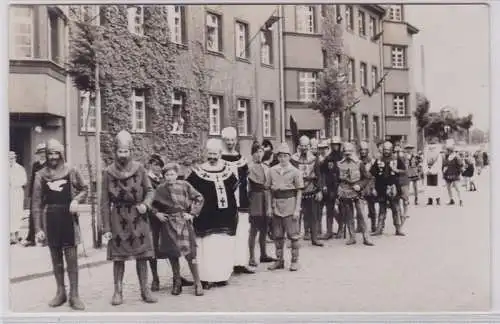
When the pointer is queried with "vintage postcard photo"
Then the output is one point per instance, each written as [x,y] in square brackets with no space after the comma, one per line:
[249,158]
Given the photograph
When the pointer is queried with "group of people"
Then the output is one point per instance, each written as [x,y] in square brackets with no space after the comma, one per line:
[213,214]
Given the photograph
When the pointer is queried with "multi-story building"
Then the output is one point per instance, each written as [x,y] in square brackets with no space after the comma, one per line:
[37,86]
[399,88]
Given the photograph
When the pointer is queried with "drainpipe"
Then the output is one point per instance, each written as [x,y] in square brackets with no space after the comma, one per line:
[282,73]
[67,121]
[382,71]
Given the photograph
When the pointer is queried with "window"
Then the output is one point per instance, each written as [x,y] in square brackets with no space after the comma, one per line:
[305,19]
[138,112]
[178,107]
[338,60]
[136,19]
[349,17]
[372,26]
[214,32]
[350,71]
[338,14]
[352,126]
[374,76]
[54,36]
[363,74]
[395,13]
[399,105]
[323,11]
[376,127]
[364,127]
[325,58]
[362,23]
[268,119]
[176,23]
[214,114]
[88,14]
[398,57]
[336,124]
[241,40]
[307,86]
[88,110]
[266,47]
[243,118]
[21,32]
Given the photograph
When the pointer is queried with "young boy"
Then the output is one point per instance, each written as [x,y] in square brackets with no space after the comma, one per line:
[258,197]
[175,205]
[286,184]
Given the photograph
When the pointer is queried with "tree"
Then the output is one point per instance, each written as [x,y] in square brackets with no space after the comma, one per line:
[422,116]
[466,123]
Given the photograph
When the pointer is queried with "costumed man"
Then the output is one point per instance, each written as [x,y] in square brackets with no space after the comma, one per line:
[404,181]
[353,180]
[236,161]
[323,151]
[57,191]
[369,192]
[413,169]
[259,197]
[17,181]
[329,184]
[270,159]
[155,174]
[285,183]
[334,157]
[314,146]
[432,169]
[336,149]
[452,169]
[215,226]
[127,195]
[386,170]
[40,158]
[308,164]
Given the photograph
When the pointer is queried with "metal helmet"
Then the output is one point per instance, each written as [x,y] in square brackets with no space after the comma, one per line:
[336,140]
[387,146]
[348,146]
[304,140]
[363,146]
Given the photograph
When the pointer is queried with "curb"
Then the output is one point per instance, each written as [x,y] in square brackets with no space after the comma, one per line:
[39,275]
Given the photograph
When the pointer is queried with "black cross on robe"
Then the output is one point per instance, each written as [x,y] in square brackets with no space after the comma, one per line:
[131,239]
[124,223]
[133,191]
[223,201]
[142,237]
[118,240]
[136,221]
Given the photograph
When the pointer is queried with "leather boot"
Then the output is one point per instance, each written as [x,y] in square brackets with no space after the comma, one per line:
[155,284]
[58,266]
[329,229]
[438,201]
[118,271]
[429,202]
[176,286]
[399,232]
[352,233]
[72,261]
[280,262]
[341,233]
[380,226]
[142,274]
[294,266]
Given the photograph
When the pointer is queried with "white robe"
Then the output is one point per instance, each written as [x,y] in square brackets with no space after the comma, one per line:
[17,180]
[433,152]
[214,254]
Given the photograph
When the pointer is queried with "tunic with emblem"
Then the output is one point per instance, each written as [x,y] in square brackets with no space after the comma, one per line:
[123,188]
[330,176]
[219,214]
[352,172]
[370,182]
[309,166]
[385,177]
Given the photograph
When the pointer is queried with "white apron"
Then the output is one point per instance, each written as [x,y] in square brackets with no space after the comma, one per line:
[17,180]
[433,153]
[241,251]
[215,257]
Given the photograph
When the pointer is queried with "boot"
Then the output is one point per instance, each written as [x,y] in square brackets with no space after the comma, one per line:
[461,203]
[71,255]
[451,203]
[429,202]
[118,271]
[352,234]
[329,229]
[399,232]
[380,226]
[142,274]
[294,266]
[176,286]
[60,297]
[366,240]
[438,201]
[155,284]
[341,231]
[373,223]
[416,201]
[280,262]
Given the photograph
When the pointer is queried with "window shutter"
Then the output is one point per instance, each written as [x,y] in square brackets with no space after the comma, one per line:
[219,31]
[183,25]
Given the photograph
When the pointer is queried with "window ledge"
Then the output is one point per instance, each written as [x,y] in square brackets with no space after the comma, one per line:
[243,60]
[267,66]
[48,67]
[398,116]
[214,53]
[296,33]
[396,68]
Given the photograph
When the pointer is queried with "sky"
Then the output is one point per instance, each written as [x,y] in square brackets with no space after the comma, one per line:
[456,46]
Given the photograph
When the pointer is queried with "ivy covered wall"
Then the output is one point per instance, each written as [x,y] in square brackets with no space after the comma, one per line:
[150,62]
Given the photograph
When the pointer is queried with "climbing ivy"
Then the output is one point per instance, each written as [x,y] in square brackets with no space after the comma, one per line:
[151,63]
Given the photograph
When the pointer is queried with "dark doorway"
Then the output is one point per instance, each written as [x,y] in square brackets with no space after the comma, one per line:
[21,144]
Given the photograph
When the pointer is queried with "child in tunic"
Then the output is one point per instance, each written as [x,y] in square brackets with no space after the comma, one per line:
[258,196]
[175,205]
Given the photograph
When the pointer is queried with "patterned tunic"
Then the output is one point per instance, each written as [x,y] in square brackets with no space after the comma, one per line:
[370,184]
[386,180]
[352,172]
[310,169]
[122,191]
[413,167]
[219,214]
[452,168]
[239,163]
[177,234]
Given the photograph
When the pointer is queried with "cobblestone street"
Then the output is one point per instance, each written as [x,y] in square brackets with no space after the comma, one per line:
[443,264]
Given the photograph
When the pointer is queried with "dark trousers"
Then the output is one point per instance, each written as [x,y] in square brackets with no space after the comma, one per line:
[370,202]
[31,229]
[347,207]
[310,216]
[393,204]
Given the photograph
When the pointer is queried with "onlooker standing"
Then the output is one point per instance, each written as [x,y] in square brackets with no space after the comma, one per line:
[452,167]
[16,190]
[39,164]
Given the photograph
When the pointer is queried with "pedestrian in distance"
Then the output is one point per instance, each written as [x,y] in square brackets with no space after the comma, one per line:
[468,173]
[269,159]
[452,169]
[58,189]
[413,170]
[369,192]
[127,195]
[176,203]
[259,201]
[17,181]
[433,171]
[404,181]
[353,179]
[286,185]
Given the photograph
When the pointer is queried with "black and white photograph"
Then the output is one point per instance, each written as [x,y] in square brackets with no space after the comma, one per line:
[150,146]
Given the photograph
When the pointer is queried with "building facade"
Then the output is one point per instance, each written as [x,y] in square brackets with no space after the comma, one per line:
[399,88]
[38,84]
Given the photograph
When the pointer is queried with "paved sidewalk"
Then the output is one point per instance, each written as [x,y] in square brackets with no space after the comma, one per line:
[34,262]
